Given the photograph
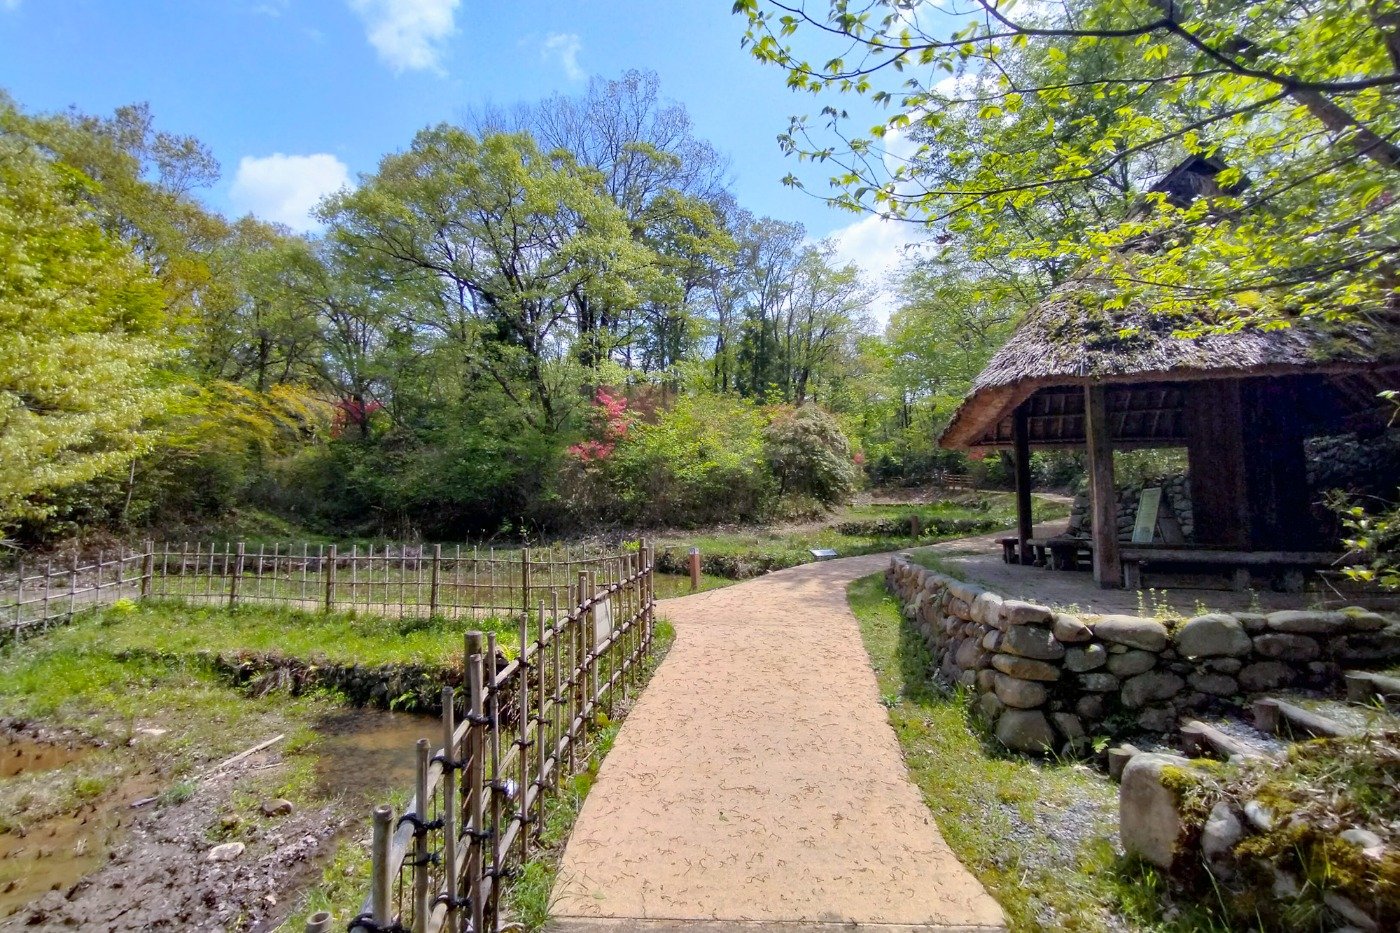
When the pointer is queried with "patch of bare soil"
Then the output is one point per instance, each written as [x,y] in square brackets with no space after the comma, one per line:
[162,867]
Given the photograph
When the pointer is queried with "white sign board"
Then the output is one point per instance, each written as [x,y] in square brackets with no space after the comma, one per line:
[602,622]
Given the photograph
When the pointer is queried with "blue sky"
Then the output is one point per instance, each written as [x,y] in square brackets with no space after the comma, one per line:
[296,97]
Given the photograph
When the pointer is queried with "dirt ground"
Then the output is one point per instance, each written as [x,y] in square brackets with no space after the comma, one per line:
[141,865]
[758,780]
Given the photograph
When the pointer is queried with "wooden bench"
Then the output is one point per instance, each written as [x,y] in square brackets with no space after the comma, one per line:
[1061,552]
[1134,556]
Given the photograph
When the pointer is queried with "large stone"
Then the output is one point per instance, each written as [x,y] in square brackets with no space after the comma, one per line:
[967,592]
[969,654]
[1286,647]
[1222,832]
[1025,668]
[986,609]
[1032,641]
[225,853]
[1368,647]
[1025,730]
[1265,675]
[1306,622]
[1253,622]
[1221,685]
[1363,620]
[989,706]
[1017,612]
[986,680]
[1070,630]
[1145,688]
[1098,682]
[1131,662]
[1222,665]
[1157,719]
[991,640]
[1133,631]
[1213,635]
[1150,824]
[1069,726]
[1085,658]
[1021,694]
[1091,707]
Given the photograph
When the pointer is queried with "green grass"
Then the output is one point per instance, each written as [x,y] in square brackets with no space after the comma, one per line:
[168,628]
[747,551]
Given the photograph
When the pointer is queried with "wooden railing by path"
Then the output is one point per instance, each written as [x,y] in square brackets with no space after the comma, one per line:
[504,747]
[393,580]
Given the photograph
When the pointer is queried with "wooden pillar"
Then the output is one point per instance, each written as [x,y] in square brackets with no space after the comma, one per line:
[1108,568]
[1021,436]
[1215,452]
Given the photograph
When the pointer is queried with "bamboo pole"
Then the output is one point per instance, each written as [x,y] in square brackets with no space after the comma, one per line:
[328,567]
[381,882]
[433,582]
[476,773]
[571,629]
[493,702]
[523,730]
[557,732]
[541,733]
[148,571]
[451,762]
[420,840]
[235,578]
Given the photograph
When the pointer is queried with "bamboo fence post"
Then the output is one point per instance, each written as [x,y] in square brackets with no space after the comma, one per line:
[433,582]
[237,576]
[541,733]
[148,569]
[493,702]
[525,583]
[381,882]
[19,600]
[354,575]
[73,587]
[121,577]
[48,576]
[571,687]
[450,764]
[476,774]
[420,840]
[585,637]
[523,742]
[328,567]
[556,733]
[491,593]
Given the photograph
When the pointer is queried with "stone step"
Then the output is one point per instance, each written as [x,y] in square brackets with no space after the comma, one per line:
[1366,686]
[1200,739]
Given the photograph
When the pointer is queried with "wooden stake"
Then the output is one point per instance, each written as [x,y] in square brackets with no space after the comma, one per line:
[433,583]
[237,576]
[328,566]
[451,754]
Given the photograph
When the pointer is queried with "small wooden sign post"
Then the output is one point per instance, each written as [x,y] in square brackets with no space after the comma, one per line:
[694,569]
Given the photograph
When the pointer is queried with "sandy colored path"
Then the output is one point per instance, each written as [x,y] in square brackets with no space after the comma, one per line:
[757,782]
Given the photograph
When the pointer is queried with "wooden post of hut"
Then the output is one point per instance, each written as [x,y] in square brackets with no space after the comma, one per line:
[1108,565]
[1021,438]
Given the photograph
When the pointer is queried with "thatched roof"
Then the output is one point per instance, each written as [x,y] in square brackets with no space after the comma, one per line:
[1070,340]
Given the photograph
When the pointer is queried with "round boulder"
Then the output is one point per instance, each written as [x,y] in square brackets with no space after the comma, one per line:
[1025,730]
[1133,631]
[1213,635]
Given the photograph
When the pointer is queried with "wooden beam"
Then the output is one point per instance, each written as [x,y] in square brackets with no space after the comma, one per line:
[1024,525]
[1108,567]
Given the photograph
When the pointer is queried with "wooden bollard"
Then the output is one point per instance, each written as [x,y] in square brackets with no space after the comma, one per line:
[694,569]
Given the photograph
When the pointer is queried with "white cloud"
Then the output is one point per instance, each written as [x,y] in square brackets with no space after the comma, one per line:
[877,246]
[564,47]
[286,189]
[408,34]
[9,5]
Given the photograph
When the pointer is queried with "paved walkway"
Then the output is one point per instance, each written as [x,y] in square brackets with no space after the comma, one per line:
[757,782]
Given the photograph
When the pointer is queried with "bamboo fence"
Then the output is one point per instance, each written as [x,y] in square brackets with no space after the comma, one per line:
[389,580]
[479,799]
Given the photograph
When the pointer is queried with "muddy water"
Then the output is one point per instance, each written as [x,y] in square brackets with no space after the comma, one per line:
[25,756]
[363,754]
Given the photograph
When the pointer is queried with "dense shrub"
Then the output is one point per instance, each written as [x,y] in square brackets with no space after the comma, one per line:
[809,456]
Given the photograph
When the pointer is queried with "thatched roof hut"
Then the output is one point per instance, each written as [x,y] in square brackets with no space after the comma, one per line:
[1069,341]
[1075,374]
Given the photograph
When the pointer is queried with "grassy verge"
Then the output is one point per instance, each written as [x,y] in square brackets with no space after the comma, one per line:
[1040,836]
[869,529]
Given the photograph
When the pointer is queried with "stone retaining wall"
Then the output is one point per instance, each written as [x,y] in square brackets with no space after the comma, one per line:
[1047,681]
